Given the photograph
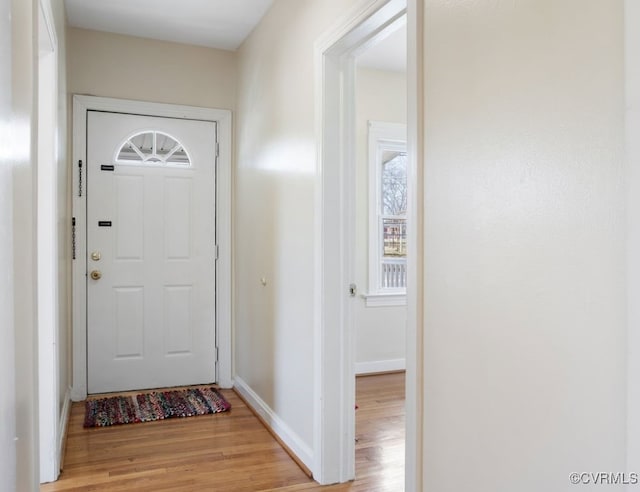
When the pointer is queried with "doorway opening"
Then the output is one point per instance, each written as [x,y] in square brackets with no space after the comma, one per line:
[381,201]
[380,259]
[336,55]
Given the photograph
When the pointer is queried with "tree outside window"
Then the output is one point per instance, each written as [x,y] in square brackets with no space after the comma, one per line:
[394,204]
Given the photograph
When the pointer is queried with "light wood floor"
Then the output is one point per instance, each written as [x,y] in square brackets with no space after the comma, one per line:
[230,451]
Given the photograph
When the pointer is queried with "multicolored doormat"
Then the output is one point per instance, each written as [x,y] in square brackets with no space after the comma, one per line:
[159,405]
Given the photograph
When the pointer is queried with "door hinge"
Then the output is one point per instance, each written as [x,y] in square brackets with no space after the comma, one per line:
[80,177]
[73,237]
[216,356]
[217,149]
[216,252]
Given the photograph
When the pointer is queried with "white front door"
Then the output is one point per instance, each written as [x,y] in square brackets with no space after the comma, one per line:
[151,252]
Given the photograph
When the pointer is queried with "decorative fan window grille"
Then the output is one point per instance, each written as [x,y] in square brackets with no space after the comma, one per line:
[153,148]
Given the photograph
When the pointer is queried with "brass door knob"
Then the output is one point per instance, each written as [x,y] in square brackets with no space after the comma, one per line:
[96,274]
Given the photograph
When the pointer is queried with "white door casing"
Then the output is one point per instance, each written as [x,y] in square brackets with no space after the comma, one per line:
[151,240]
[334,371]
[52,416]
[82,105]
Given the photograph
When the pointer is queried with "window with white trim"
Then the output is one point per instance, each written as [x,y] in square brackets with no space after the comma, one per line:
[387,213]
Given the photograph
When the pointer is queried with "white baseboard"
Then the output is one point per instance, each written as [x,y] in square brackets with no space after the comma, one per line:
[62,426]
[295,444]
[381,366]
[78,394]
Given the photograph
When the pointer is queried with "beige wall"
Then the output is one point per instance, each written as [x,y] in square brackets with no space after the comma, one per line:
[525,354]
[126,67]
[379,331]
[274,216]
[632,183]
[7,330]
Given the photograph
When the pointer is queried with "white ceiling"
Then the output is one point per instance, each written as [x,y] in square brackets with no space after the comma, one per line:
[222,24]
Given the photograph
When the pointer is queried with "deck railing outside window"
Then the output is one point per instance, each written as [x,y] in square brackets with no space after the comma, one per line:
[394,273]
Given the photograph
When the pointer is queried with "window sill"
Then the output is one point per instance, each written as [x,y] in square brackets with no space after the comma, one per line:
[385,299]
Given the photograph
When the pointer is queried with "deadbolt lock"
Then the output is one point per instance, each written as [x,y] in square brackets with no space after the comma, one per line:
[96,274]
[95,256]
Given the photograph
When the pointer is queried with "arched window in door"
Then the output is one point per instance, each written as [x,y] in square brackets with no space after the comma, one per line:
[153,148]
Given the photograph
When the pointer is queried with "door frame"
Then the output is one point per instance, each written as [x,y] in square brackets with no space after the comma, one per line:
[81,105]
[334,370]
[52,419]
